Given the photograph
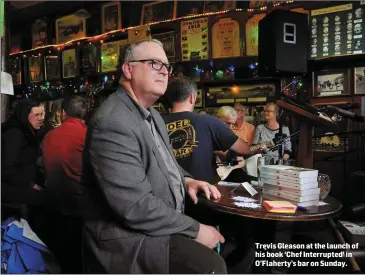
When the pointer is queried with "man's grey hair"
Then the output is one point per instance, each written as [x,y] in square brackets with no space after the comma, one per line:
[179,90]
[226,111]
[127,52]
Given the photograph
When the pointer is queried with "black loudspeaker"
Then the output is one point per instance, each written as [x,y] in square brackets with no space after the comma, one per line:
[283,43]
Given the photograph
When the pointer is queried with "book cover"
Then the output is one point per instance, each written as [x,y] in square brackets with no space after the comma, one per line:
[279,206]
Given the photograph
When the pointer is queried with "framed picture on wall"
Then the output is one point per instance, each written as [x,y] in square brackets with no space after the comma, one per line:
[111,18]
[331,83]
[70,27]
[158,11]
[52,64]
[15,69]
[214,6]
[199,99]
[39,33]
[89,58]
[35,69]
[359,78]
[168,41]
[69,63]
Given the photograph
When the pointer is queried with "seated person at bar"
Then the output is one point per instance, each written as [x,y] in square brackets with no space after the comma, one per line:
[266,132]
[195,137]
[243,129]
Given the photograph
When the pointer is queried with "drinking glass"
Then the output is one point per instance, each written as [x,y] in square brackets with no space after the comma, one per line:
[261,161]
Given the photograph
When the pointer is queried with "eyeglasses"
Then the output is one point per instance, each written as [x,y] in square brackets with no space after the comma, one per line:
[269,111]
[157,65]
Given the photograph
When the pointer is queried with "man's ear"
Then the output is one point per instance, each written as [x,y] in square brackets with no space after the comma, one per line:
[126,68]
[192,98]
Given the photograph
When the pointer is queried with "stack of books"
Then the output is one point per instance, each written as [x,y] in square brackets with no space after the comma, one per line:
[294,184]
[279,206]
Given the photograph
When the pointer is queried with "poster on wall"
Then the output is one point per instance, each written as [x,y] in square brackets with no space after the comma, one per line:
[69,63]
[337,30]
[158,11]
[226,38]
[252,34]
[331,143]
[15,70]
[70,27]
[39,33]
[214,6]
[89,58]
[359,84]
[139,33]
[111,18]
[193,8]
[52,67]
[194,39]
[331,83]
[110,55]
[168,41]
[359,28]
[35,69]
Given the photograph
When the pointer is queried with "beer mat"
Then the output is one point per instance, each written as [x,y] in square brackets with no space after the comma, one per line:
[247,204]
[243,199]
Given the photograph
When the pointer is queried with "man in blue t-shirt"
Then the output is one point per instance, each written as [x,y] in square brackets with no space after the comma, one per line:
[194,137]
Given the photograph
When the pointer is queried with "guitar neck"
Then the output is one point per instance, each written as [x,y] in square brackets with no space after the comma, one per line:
[258,146]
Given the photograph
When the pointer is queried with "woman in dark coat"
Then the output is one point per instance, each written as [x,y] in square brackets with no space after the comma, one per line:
[19,153]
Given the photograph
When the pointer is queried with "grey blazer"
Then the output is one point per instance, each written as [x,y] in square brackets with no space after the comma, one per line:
[133,212]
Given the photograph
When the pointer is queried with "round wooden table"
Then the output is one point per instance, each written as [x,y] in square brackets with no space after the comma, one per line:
[225,204]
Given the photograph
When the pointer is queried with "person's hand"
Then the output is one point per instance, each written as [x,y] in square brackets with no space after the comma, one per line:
[209,236]
[37,187]
[285,156]
[194,186]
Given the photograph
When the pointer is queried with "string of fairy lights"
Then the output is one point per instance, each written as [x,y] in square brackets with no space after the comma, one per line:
[81,84]
[100,37]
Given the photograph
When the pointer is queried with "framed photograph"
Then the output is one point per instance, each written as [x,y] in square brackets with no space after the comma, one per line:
[52,65]
[168,41]
[69,63]
[158,11]
[111,17]
[223,95]
[214,6]
[199,99]
[15,69]
[331,83]
[193,8]
[35,69]
[110,55]
[39,33]
[359,75]
[70,27]
[89,58]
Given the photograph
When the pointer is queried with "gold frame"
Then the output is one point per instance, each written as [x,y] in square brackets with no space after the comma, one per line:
[156,3]
[65,18]
[103,15]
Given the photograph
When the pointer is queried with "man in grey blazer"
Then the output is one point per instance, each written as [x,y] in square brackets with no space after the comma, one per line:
[136,221]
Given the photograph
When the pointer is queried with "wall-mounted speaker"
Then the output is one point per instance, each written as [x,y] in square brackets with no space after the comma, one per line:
[283,43]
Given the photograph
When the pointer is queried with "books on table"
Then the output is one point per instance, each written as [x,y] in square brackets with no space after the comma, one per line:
[294,184]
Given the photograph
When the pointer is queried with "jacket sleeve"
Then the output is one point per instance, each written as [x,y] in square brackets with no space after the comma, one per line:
[11,149]
[117,163]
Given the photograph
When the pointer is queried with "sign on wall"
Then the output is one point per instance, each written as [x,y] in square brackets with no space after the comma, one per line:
[194,39]
[226,38]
